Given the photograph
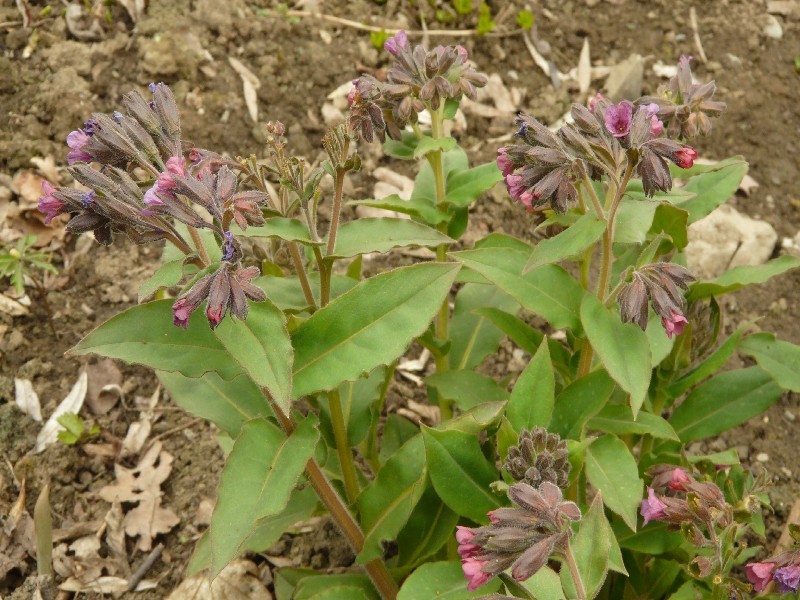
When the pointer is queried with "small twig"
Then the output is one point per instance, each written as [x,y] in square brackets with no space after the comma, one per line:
[698,44]
[144,567]
[169,432]
[25,10]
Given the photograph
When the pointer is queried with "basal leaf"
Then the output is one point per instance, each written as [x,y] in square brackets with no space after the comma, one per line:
[611,468]
[289,230]
[618,419]
[420,208]
[286,293]
[427,144]
[167,275]
[431,524]
[712,185]
[778,358]
[578,402]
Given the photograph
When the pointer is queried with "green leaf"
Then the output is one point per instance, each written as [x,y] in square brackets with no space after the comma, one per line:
[522,334]
[548,291]
[634,220]
[357,398]
[464,187]
[779,359]
[453,161]
[618,419]
[466,388]
[396,432]
[403,148]
[363,236]
[545,584]
[288,230]
[590,547]
[267,531]
[345,586]
[712,185]
[611,468]
[533,397]
[723,402]
[386,504]
[286,293]
[261,345]
[370,325]
[622,347]
[427,144]
[653,539]
[442,581]
[567,244]
[739,277]
[580,401]
[473,336]
[709,366]
[418,208]
[145,335]
[673,221]
[227,404]
[460,472]
[429,527]
[166,276]
[476,419]
[256,482]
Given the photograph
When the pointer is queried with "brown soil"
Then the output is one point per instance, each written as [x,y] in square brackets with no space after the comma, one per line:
[50,82]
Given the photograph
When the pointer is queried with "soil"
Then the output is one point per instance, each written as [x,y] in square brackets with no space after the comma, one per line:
[50,82]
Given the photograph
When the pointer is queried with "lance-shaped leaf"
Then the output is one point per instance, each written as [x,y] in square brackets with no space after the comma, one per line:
[460,472]
[711,185]
[618,419]
[258,478]
[611,468]
[287,294]
[739,277]
[420,208]
[443,581]
[466,388]
[545,584]
[289,230]
[166,276]
[370,325]
[387,502]
[363,236]
[590,548]
[723,402]
[227,404]
[548,291]
[261,345]
[778,358]
[622,347]
[464,187]
[145,335]
[578,402]
[429,527]
[533,397]
[428,144]
[344,586]
[567,244]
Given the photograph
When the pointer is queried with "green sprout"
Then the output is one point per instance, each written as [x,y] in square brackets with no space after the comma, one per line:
[18,262]
[525,19]
[378,38]
[75,430]
[485,22]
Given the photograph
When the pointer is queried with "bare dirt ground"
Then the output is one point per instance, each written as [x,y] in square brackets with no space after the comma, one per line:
[50,82]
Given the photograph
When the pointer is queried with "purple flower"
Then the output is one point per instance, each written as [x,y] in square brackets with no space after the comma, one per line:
[49,204]
[759,574]
[228,249]
[176,165]
[618,119]
[656,126]
[76,140]
[503,162]
[674,324]
[787,578]
[399,42]
[652,508]
[87,198]
[686,157]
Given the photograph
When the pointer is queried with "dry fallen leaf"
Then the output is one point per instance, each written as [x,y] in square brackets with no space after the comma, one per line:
[103,391]
[26,399]
[17,538]
[238,581]
[47,167]
[12,307]
[142,485]
[71,404]
[250,84]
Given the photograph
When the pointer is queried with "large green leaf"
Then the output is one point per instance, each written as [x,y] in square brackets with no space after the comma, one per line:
[545,584]
[466,388]
[402,148]
[619,420]
[385,505]
[166,276]
[453,161]
[473,337]
[344,586]
[460,472]
[723,402]
[145,335]
[567,244]
[590,547]
[261,345]
[653,539]
[289,230]
[427,144]
[711,185]
[258,478]
[478,418]
[227,404]
[673,221]
[422,209]
[286,293]
[464,187]
[397,431]
[739,277]
[533,397]
[709,366]
[429,527]
[622,347]
[370,325]
[634,220]
[611,468]
[442,581]
[548,291]
[779,359]
[578,402]
[363,236]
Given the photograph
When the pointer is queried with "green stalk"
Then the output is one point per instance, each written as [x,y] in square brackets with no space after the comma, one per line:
[343,447]
[297,259]
[371,446]
[198,244]
[580,590]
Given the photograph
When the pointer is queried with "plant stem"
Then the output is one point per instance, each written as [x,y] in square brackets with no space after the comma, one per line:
[580,590]
[377,570]
[371,452]
[337,201]
[301,273]
[608,236]
[198,244]
[598,208]
[343,447]
[585,363]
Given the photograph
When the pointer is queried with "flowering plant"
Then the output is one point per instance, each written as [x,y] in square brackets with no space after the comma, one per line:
[534,492]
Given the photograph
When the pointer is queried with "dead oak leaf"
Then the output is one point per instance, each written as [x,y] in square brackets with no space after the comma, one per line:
[238,581]
[142,486]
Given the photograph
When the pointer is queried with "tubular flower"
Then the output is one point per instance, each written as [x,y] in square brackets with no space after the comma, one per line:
[618,119]
[674,324]
[660,283]
[653,508]
[783,569]
[787,578]
[760,574]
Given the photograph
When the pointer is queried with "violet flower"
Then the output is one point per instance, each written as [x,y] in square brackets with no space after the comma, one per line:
[787,578]
[77,141]
[397,43]
[618,119]
[653,508]
[176,165]
[49,204]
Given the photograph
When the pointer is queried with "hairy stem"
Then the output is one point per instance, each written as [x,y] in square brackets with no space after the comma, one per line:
[198,245]
[608,236]
[343,447]
[598,208]
[297,259]
[580,590]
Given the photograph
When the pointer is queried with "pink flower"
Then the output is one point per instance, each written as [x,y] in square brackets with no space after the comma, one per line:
[176,165]
[674,324]
[49,204]
[473,571]
[181,311]
[787,578]
[686,157]
[656,126]
[594,100]
[652,508]
[76,140]
[759,574]
[396,43]
[618,118]
[504,163]
[679,477]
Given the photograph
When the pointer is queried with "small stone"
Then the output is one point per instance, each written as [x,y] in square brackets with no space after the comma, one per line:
[743,451]
[783,7]
[625,79]
[731,61]
[762,457]
[790,416]
[786,472]
[772,28]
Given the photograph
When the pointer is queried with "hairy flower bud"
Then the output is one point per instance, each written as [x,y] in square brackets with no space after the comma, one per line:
[539,456]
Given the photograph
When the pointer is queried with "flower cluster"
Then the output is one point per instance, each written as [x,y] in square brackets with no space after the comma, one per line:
[659,284]
[686,106]
[521,538]
[783,569]
[539,456]
[418,80]
[139,183]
